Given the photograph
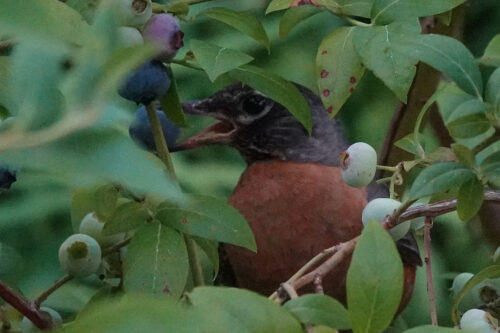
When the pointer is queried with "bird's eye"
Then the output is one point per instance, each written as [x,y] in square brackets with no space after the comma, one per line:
[254,104]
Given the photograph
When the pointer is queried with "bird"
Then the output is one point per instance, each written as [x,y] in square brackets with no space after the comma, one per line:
[291,192]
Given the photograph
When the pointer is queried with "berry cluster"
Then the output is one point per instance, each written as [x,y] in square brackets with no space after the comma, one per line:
[150,81]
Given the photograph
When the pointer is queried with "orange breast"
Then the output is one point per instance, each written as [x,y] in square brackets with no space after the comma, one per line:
[295,211]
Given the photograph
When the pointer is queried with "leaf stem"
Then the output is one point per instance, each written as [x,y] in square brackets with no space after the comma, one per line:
[194,262]
[355,22]
[387,168]
[164,155]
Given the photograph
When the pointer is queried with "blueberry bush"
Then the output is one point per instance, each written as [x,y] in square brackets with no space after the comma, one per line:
[91,197]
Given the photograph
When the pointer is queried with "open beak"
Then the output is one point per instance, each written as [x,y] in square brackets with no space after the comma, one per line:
[221,132]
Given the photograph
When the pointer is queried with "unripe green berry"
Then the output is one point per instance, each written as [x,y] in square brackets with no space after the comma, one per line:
[478,321]
[135,13]
[359,163]
[378,209]
[80,255]
[28,327]
[130,36]
[470,300]
[93,227]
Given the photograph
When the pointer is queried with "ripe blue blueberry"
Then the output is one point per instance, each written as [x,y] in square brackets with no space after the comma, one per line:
[80,255]
[147,83]
[479,321]
[141,131]
[135,13]
[163,30]
[378,209]
[359,163]
[28,327]
[7,177]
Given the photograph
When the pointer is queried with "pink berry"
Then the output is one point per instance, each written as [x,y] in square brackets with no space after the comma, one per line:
[163,30]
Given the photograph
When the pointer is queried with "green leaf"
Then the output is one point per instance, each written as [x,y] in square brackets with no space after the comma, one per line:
[470,199]
[211,249]
[374,281]
[5,75]
[386,11]
[239,310]
[156,262]
[490,272]
[380,49]
[48,19]
[463,154]
[171,103]
[98,155]
[127,216]
[491,56]
[105,198]
[492,93]
[433,329]
[244,22]
[338,68]
[295,16]
[449,56]
[316,309]
[278,89]
[490,167]
[469,126]
[439,177]
[408,144]
[467,108]
[217,60]
[210,218]
[36,105]
[349,7]
[276,5]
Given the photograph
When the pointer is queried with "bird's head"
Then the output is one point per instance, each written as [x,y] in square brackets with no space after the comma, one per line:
[262,129]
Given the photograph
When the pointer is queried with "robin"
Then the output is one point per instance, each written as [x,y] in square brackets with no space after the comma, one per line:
[291,192]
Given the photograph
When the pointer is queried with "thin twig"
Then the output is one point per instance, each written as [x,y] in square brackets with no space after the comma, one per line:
[290,290]
[342,250]
[430,285]
[27,308]
[58,284]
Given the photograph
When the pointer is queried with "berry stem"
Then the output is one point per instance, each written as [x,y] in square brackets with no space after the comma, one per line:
[430,285]
[164,155]
[159,138]
[59,283]
[387,168]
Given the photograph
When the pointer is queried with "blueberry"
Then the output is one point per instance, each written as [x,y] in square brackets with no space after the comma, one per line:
[163,30]
[92,227]
[130,36]
[147,83]
[28,327]
[7,177]
[479,321]
[135,13]
[80,255]
[378,209]
[471,299]
[141,131]
[359,163]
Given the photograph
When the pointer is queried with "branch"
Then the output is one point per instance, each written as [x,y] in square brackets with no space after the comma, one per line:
[430,285]
[27,308]
[339,252]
